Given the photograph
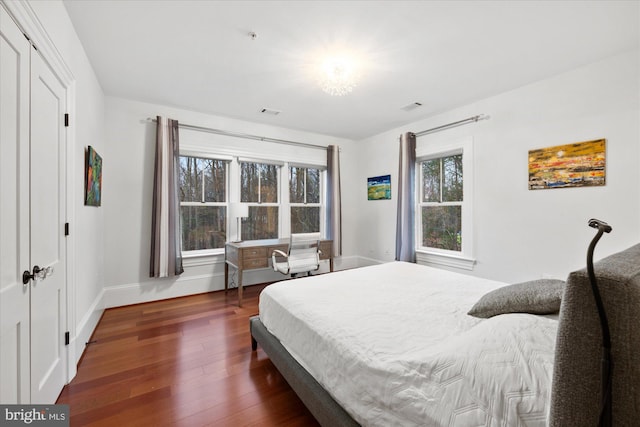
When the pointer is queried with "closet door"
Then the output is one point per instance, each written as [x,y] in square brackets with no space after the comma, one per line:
[14,213]
[48,245]
[32,214]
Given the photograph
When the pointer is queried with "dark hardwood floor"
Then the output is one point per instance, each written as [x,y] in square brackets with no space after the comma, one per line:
[181,362]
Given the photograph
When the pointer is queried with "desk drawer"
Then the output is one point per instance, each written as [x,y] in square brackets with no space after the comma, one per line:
[254,263]
[283,248]
[251,253]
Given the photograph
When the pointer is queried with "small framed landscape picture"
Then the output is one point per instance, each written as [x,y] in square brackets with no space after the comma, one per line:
[92,178]
[379,187]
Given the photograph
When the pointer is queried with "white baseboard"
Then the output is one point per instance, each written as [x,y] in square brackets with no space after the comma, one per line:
[82,333]
[365,262]
[159,289]
[88,323]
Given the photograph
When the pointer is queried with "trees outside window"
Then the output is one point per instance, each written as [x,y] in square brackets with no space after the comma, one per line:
[203,203]
[441,202]
[304,199]
[208,185]
[259,188]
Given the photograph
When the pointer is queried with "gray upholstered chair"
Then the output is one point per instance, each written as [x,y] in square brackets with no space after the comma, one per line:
[303,255]
[577,376]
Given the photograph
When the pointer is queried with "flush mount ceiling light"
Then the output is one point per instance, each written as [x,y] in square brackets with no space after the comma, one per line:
[338,75]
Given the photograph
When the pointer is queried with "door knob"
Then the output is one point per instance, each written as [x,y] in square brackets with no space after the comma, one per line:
[27,276]
[38,273]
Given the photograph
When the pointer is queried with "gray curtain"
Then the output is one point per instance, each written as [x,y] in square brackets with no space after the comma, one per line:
[166,250]
[334,205]
[405,234]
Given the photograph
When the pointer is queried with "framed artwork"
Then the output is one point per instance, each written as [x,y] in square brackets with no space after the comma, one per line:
[379,187]
[581,164]
[92,178]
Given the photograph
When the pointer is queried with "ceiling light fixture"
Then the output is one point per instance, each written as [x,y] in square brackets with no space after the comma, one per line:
[338,76]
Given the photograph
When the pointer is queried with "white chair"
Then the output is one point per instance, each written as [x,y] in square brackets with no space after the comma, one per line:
[303,256]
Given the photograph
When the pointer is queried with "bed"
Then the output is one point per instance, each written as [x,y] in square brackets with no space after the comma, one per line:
[392,344]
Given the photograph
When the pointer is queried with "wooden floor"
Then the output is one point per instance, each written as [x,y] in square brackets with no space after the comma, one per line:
[181,362]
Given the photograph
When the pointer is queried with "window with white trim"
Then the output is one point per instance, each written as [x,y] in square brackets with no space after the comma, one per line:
[203,202]
[444,217]
[441,203]
[282,198]
[304,199]
[259,188]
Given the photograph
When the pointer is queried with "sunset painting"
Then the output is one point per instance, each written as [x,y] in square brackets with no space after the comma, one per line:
[581,164]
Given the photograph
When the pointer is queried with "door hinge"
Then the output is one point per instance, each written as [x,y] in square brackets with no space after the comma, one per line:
[30,41]
[66,228]
[66,338]
[66,120]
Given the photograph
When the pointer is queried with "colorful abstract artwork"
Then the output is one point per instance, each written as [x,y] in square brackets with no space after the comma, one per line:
[93,178]
[379,187]
[581,164]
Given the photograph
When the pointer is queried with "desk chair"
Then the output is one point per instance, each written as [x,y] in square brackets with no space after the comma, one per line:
[303,256]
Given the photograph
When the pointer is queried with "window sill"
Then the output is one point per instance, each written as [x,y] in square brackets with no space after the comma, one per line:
[434,259]
[197,258]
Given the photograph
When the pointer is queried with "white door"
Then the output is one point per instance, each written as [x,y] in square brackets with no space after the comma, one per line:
[32,214]
[14,213]
[48,246]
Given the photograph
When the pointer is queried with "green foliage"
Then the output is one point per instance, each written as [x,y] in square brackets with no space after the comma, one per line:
[204,180]
[442,182]
[442,227]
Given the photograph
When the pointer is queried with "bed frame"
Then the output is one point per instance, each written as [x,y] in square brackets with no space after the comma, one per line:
[319,402]
[577,354]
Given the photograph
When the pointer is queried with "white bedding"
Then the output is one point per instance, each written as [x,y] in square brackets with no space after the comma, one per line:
[402,351]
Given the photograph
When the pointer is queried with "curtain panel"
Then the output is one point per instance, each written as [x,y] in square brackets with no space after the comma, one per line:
[334,204]
[405,225]
[166,250]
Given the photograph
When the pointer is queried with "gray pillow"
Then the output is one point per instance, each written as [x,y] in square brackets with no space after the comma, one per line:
[536,296]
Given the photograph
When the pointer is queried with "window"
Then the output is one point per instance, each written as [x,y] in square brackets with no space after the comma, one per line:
[444,217]
[304,199]
[259,188]
[282,198]
[203,203]
[441,202]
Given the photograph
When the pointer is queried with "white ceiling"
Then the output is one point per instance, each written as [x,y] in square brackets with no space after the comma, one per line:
[198,55]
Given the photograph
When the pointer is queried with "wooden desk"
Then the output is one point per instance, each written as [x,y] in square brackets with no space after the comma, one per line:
[254,254]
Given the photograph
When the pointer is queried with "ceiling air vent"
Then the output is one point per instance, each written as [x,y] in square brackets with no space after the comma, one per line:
[270,111]
[412,106]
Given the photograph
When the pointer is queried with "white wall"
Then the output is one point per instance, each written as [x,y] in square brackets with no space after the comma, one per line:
[522,234]
[519,234]
[128,186]
[87,129]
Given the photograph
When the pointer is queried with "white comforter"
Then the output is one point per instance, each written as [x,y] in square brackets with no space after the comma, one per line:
[394,346]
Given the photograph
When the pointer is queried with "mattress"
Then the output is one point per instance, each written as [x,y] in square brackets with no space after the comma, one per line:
[392,343]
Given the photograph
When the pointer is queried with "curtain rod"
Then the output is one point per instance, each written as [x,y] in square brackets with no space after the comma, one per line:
[245,135]
[453,124]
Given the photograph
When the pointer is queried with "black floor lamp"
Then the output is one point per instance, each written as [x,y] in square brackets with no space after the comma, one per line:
[607,363]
